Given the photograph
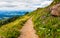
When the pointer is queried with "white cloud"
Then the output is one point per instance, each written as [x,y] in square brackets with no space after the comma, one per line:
[23,4]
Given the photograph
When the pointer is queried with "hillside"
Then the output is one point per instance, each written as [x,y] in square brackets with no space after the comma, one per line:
[12,29]
[46,25]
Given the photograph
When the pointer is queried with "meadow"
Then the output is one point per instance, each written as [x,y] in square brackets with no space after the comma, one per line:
[46,25]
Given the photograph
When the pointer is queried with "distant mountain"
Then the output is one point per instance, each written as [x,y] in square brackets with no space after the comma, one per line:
[9,14]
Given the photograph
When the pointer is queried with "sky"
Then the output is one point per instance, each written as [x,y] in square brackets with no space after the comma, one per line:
[23,4]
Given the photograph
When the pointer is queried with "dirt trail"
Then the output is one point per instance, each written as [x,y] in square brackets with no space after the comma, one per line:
[28,31]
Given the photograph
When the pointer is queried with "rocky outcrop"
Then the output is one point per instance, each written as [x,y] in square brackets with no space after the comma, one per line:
[55,10]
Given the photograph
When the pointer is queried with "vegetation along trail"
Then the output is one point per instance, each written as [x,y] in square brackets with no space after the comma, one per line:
[27,30]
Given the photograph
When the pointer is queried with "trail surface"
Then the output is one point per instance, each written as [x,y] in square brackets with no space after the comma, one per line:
[28,31]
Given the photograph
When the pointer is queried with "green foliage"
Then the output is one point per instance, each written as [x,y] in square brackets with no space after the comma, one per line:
[9,33]
[12,29]
[9,20]
[46,25]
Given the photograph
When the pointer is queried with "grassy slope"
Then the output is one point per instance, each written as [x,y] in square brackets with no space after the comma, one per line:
[47,26]
[12,30]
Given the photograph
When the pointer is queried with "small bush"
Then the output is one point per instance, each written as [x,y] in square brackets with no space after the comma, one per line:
[10,33]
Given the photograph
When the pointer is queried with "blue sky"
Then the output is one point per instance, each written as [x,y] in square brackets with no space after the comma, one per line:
[23,4]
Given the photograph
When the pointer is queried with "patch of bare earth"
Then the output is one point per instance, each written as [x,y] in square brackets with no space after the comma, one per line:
[28,31]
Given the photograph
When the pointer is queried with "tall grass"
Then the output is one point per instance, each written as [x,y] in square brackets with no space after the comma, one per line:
[46,25]
[12,29]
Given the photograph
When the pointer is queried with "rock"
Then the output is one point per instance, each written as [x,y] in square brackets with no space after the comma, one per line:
[55,10]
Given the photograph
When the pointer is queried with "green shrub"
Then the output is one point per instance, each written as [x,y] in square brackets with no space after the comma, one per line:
[9,33]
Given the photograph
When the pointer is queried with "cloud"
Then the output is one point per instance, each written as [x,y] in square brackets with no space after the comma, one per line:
[23,4]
